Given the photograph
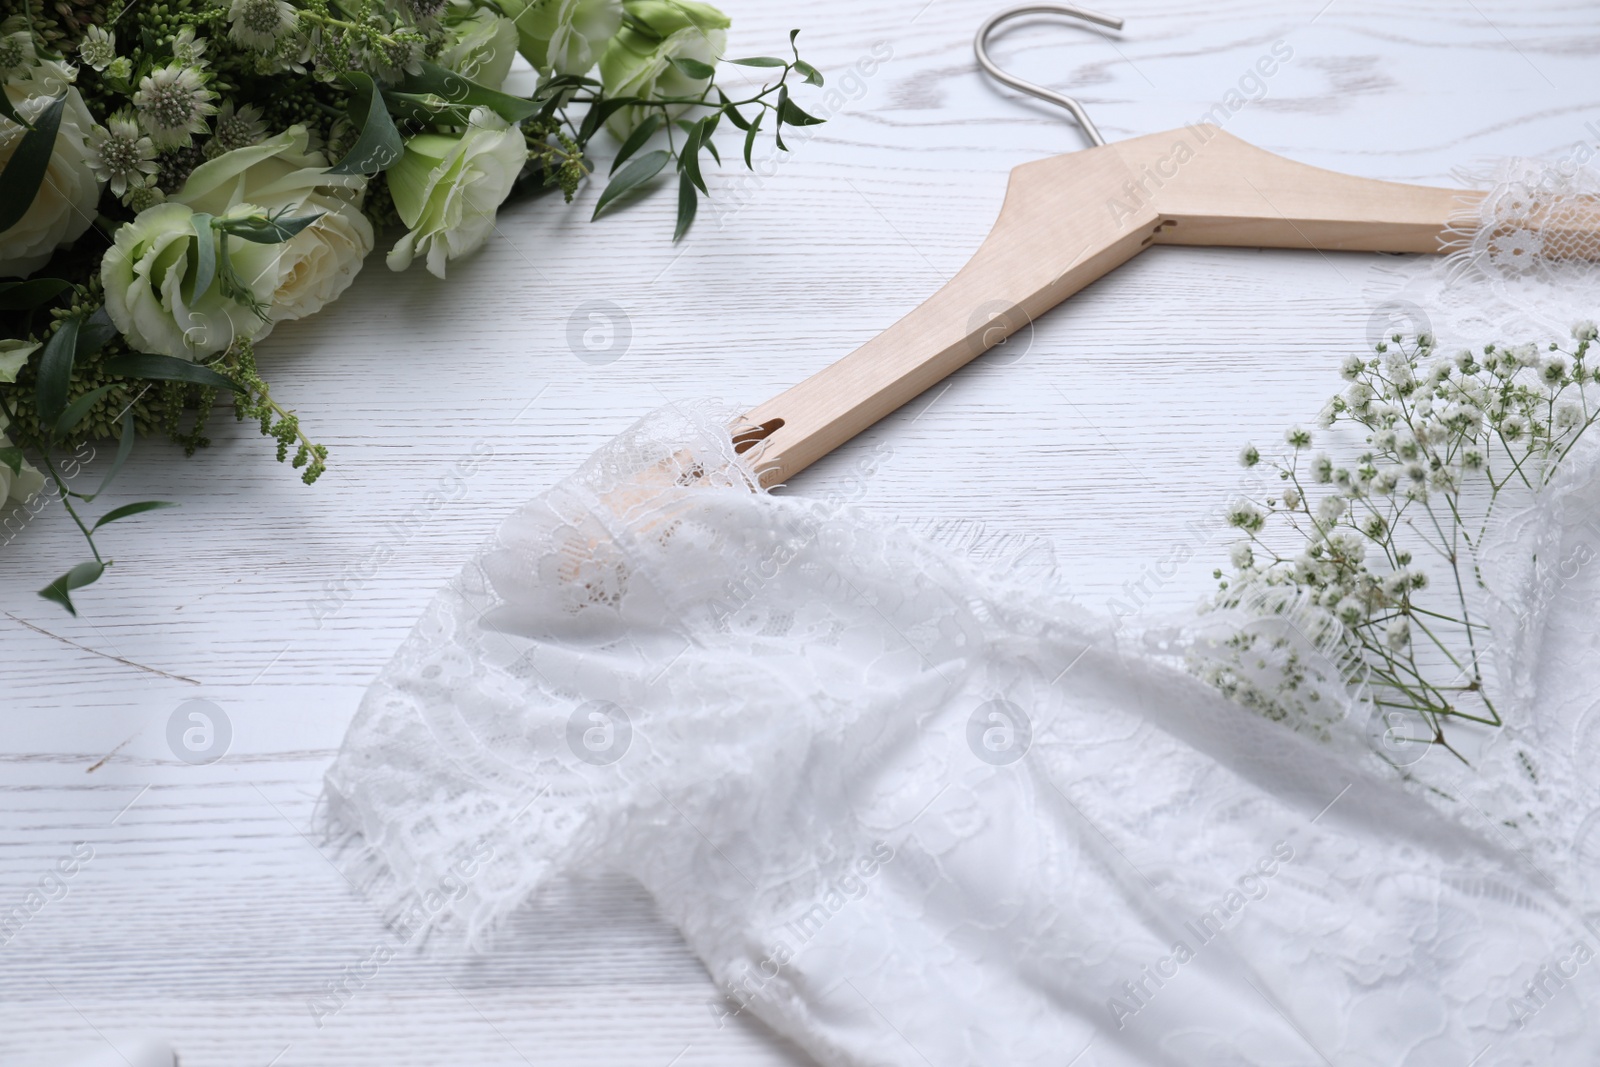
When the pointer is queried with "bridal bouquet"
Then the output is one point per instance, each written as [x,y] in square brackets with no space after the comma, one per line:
[178,177]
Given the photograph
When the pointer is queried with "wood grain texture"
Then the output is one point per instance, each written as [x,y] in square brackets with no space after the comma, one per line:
[208,914]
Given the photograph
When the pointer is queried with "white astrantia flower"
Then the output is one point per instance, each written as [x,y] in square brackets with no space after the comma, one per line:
[187,49]
[235,128]
[68,198]
[482,46]
[283,174]
[447,189]
[121,155]
[98,48]
[173,104]
[564,36]
[260,24]
[16,46]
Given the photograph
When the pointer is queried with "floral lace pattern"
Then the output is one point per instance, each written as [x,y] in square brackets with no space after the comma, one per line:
[911,811]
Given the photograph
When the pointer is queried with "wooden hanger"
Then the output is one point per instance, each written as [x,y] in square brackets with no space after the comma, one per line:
[1068,220]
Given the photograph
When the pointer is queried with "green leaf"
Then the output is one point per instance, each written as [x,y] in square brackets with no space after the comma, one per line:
[78,577]
[760,61]
[455,89]
[379,145]
[55,370]
[689,156]
[25,296]
[203,269]
[426,108]
[9,110]
[600,112]
[130,509]
[95,332]
[125,436]
[789,111]
[750,139]
[812,75]
[709,147]
[24,173]
[732,112]
[147,365]
[647,129]
[687,202]
[694,68]
[11,456]
[266,230]
[78,409]
[632,176]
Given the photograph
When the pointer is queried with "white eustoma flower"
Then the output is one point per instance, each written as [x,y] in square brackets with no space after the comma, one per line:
[481,49]
[121,154]
[260,24]
[564,36]
[23,483]
[282,174]
[173,104]
[148,269]
[447,189]
[638,61]
[69,196]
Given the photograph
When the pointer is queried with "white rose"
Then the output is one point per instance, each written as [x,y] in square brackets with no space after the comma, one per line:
[564,36]
[447,188]
[69,196]
[145,274]
[24,483]
[482,47]
[315,266]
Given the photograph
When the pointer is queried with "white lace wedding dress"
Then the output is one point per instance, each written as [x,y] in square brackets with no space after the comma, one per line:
[909,812]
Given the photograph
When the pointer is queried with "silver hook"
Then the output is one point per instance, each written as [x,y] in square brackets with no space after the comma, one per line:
[980,45]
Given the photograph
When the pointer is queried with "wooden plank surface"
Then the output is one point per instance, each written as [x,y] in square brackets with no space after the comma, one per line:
[208,914]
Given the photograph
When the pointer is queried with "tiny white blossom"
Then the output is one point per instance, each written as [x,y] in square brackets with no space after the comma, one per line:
[1553,368]
[1526,355]
[1298,437]
[1330,508]
[1351,367]
[1375,526]
[1350,611]
[1249,456]
[1386,481]
[1465,361]
[1385,439]
[1569,413]
[1472,459]
[98,48]
[1291,498]
[1246,516]
[1513,426]
[1398,635]
[1585,331]
[1443,480]
[1396,583]
[1321,469]
[1242,556]
[173,103]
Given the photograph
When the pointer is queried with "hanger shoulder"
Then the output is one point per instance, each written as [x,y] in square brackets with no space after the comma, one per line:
[1065,222]
[1214,189]
[1053,237]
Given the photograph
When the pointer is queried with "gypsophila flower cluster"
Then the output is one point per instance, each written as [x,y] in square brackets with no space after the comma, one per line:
[1370,563]
[183,175]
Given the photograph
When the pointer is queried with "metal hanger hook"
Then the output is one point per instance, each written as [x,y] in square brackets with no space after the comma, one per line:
[980,46]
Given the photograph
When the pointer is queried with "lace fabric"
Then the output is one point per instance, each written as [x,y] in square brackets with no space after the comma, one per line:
[912,810]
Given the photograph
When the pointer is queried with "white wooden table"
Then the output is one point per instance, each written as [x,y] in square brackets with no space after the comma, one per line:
[208,912]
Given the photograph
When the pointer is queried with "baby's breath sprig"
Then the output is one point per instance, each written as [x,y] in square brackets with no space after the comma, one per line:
[1345,552]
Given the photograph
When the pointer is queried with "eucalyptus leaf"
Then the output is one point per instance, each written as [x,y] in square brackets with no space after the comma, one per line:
[760,61]
[24,173]
[750,139]
[733,112]
[636,140]
[266,230]
[632,176]
[689,156]
[95,332]
[9,110]
[78,577]
[789,111]
[149,366]
[688,201]
[130,509]
[204,268]
[812,75]
[694,68]
[25,296]
[55,370]
[455,89]
[125,436]
[600,112]
[379,146]
[76,410]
